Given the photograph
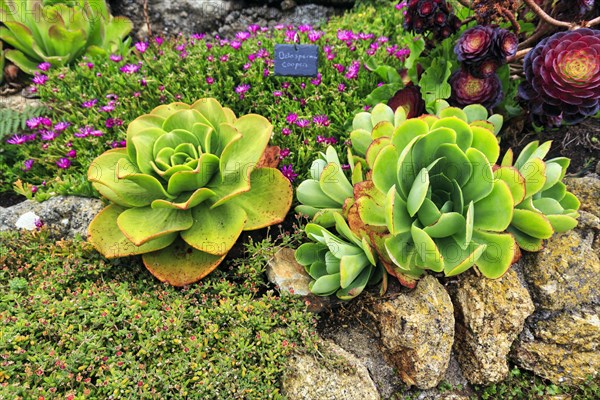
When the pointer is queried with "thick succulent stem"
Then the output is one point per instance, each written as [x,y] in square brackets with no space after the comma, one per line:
[593,22]
[545,17]
[540,32]
[519,54]
[147,18]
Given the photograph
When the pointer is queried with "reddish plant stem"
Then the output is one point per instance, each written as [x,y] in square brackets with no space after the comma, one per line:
[540,31]
[509,16]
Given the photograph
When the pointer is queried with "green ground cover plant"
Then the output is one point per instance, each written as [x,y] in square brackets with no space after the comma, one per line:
[75,325]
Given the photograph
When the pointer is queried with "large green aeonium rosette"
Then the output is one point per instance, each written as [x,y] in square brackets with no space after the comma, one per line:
[184,189]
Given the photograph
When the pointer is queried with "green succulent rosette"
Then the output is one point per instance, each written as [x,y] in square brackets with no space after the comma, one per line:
[59,33]
[325,192]
[544,206]
[341,263]
[185,187]
[432,202]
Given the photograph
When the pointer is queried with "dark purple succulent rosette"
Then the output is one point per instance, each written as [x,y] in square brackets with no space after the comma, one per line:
[468,89]
[562,77]
[484,68]
[433,16]
[475,44]
[410,99]
[506,44]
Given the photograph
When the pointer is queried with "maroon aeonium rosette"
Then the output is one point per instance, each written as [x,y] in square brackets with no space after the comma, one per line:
[410,99]
[433,16]
[506,43]
[475,44]
[562,76]
[468,89]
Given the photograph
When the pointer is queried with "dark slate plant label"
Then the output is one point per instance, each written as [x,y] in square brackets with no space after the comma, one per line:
[296,60]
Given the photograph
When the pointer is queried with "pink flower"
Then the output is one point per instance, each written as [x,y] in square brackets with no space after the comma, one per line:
[130,68]
[49,135]
[45,66]
[235,44]
[72,154]
[353,70]
[115,57]
[317,81]
[61,126]
[253,28]
[17,139]
[141,46]
[321,120]
[291,118]
[304,28]
[242,36]
[27,164]
[288,172]
[341,87]
[302,123]
[313,36]
[286,131]
[284,153]
[243,88]
[224,58]
[210,80]
[39,79]
[63,163]
[158,40]
[89,103]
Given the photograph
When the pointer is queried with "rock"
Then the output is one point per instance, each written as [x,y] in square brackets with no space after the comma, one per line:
[417,331]
[561,340]
[287,274]
[587,190]
[169,17]
[338,375]
[361,339]
[563,347]
[490,314]
[566,273]
[65,216]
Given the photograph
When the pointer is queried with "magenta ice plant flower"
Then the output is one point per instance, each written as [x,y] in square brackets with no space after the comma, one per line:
[63,163]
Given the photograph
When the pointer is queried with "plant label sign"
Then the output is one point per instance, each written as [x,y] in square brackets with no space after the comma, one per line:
[296,60]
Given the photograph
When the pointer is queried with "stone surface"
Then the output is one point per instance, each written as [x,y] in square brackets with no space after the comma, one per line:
[287,274]
[587,190]
[566,273]
[561,340]
[64,216]
[490,314]
[417,331]
[563,347]
[337,376]
[169,17]
[360,337]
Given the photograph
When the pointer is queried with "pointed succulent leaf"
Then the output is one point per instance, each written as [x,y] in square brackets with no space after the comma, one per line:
[447,225]
[185,201]
[418,192]
[562,223]
[407,131]
[486,142]
[351,266]
[396,214]
[456,259]
[532,223]
[325,285]
[318,269]
[383,176]
[427,249]
[334,184]
[356,286]
[515,181]
[309,253]
[464,133]
[481,181]
[526,242]
[534,172]
[361,140]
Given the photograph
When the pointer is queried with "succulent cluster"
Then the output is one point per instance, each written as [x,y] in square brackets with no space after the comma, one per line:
[481,50]
[562,77]
[185,187]
[428,193]
[57,32]
[433,16]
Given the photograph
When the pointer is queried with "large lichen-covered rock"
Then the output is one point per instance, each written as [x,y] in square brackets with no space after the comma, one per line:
[490,314]
[561,340]
[417,331]
[566,273]
[339,375]
[564,348]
